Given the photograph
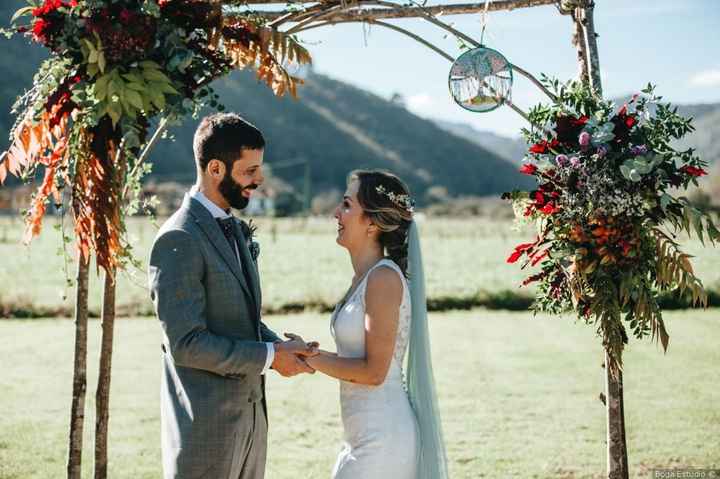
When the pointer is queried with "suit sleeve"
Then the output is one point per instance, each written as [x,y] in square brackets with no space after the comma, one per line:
[175,272]
[267,334]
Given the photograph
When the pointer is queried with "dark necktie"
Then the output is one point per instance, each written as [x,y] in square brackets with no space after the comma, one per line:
[227,226]
[232,234]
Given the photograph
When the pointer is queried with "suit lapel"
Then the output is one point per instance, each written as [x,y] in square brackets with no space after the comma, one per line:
[249,264]
[216,237]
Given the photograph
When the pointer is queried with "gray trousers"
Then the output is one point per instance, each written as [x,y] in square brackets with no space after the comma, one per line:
[244,460]
[251,448]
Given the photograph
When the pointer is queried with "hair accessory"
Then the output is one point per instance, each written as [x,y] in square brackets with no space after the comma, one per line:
[403,201]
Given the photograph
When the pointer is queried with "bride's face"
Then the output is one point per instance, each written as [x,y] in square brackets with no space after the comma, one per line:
[353,224]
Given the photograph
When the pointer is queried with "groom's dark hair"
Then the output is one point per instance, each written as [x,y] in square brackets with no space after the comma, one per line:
[223,136]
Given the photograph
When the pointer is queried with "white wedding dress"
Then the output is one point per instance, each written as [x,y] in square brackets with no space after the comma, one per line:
[380,428]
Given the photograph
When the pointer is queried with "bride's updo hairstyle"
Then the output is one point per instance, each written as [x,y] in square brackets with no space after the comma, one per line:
[385,199]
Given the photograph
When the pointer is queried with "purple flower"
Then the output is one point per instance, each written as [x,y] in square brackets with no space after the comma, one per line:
[561,160]
[638,150]
[584,139]
[602,151]
[575,161]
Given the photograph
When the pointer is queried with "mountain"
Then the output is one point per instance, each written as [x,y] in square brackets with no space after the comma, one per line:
[333,126]
[705,139]
[511,149]
[336,128]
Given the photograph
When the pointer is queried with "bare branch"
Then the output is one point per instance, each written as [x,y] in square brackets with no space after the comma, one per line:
[399,11]
[316,17]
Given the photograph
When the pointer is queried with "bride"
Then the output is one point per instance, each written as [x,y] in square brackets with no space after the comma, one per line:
[391,429]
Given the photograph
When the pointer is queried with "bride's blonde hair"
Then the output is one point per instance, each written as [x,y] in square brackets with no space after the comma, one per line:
[378,191]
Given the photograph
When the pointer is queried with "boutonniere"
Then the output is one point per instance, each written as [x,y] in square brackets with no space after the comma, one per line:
[248,231]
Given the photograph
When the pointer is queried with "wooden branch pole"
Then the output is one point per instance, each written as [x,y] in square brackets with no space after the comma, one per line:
[617,456]
[102,395]
[453,9]
[77,409]
[579,42]
[591,47]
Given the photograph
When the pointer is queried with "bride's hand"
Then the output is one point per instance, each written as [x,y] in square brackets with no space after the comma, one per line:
[304,349]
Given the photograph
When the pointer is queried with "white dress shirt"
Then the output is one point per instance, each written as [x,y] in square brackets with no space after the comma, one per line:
[220,213]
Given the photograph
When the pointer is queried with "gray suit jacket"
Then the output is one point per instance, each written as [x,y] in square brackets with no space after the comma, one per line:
[213,350]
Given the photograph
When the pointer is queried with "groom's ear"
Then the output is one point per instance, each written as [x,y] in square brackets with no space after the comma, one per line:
[215,169]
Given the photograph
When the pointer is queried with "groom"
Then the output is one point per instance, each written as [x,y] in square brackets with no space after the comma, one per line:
[206,291]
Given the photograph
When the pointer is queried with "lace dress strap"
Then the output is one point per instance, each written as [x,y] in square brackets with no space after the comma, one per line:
[362,288]
[403,331]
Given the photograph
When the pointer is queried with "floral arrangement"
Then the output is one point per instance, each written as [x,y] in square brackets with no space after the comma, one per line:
[606,214]
[114,67]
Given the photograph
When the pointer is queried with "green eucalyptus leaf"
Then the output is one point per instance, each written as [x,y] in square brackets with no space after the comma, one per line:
[625,170]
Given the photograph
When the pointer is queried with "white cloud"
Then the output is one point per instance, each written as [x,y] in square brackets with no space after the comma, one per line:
[420,103]
[707,78]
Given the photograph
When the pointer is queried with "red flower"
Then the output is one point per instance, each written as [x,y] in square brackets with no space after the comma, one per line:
[48,7]
[539,198]
[550,208]
[519,251]
[49,21]
[42,31]
[544,146]
[528,169]
[693,171]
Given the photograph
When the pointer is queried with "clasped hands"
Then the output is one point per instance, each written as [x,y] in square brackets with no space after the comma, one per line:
[290,355]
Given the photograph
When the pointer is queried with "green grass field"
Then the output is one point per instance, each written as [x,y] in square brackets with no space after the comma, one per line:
[519,398]
[300,263]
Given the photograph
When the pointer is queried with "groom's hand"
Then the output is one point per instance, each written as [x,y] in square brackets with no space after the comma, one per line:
[311,348]
[288,361]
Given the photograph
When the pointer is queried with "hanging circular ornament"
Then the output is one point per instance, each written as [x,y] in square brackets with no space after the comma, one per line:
[480,79]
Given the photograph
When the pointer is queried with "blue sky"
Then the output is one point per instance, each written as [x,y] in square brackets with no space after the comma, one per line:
[673,43]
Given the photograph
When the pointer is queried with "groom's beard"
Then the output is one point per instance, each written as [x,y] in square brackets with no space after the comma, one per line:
[232,192]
